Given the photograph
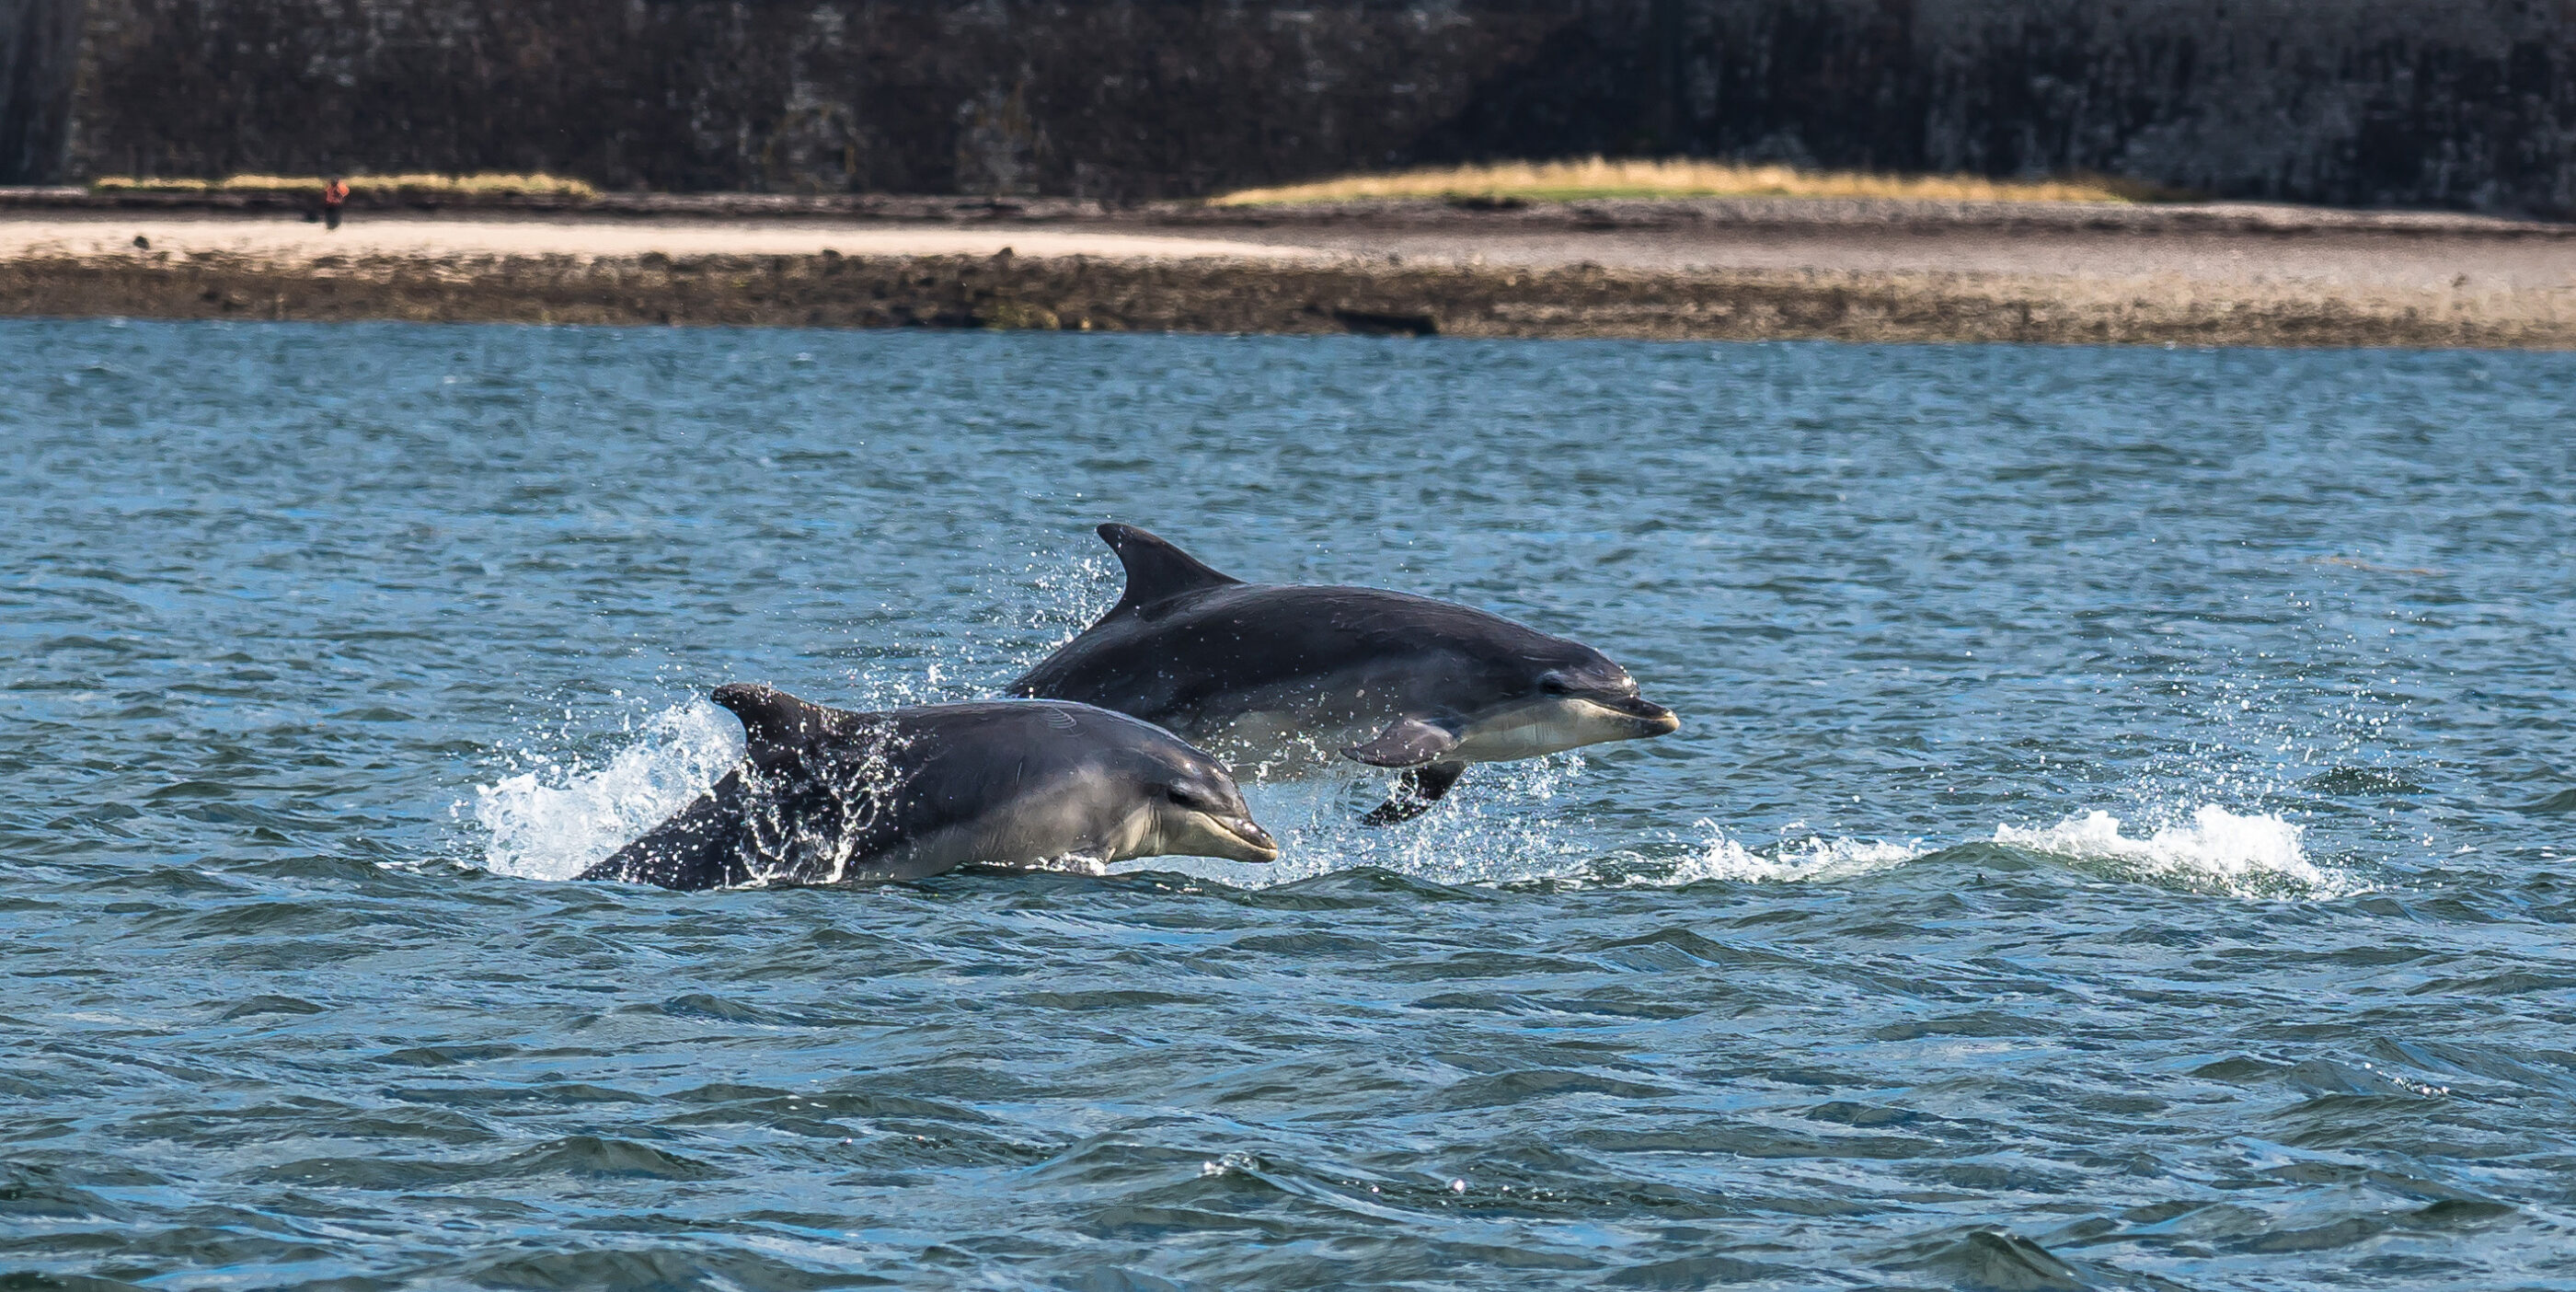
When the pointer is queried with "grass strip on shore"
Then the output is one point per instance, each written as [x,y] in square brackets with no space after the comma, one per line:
[421,184]
[1598,177]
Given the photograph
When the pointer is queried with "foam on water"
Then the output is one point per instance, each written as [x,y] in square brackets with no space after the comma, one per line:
[2221,853]
[1813,859]
[2253,855]
[563,817]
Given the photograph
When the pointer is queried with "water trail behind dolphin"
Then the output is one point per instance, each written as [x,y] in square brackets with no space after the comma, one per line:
[2221,852]
[562,817]
[1509,828]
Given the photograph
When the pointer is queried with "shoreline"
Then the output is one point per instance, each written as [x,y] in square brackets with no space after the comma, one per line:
[20,202]
[1741,270]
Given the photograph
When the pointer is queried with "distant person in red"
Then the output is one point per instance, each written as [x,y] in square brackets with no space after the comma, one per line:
[334,193]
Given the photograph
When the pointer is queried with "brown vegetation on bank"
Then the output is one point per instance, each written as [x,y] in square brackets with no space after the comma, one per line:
[1597,178]
[402,186]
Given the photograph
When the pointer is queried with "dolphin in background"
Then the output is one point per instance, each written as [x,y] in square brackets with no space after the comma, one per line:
[832,796]
[1284,674]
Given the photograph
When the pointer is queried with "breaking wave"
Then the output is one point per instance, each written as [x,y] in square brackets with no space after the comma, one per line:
[2221,852]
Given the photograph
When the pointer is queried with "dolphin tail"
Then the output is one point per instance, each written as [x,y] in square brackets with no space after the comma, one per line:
[1415,791]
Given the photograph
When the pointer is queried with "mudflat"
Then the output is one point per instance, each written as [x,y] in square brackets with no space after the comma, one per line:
[2210,274]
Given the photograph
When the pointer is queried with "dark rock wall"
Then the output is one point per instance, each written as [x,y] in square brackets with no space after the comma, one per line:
[2411,102]
[39,41]
[1133,99]
[2457,103]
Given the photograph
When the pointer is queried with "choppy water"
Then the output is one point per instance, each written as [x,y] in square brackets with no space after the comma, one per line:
[2121,835]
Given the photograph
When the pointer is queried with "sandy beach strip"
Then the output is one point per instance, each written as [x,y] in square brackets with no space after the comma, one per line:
[289,243]
[2161,281]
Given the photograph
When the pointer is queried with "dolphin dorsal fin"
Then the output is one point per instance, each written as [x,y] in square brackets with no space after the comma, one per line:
[775,725]
[1156,570]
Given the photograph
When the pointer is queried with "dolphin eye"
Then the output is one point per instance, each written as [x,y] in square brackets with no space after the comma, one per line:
[1555,684]
[1190,798]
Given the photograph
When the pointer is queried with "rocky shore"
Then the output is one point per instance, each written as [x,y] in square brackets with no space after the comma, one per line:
[1741,270]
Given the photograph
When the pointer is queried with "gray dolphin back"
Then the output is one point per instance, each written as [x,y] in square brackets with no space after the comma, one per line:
[815,786]
[1188,648]
[826,794]
[1261,671]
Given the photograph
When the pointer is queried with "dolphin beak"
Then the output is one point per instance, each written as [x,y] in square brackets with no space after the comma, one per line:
[1652,719]
[1253,836]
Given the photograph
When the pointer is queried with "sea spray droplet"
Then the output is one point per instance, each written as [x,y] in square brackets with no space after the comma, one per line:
[559,820]
[1506,830]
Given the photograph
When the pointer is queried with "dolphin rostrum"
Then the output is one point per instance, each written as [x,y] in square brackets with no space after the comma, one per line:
[1275,675]
[830,796]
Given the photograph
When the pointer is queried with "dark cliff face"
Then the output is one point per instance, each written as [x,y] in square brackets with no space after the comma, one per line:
[2418,102]
[2459,103]
[39,42]
[1113,100]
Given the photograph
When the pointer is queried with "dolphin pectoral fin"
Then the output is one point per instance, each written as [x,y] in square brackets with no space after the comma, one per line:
[1415,791]
[1156,570]
[1406,742]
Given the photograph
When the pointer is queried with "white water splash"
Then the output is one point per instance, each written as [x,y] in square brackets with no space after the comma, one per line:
[1810,860]
[557,821]
[1499,831]
[560,819]
[2219,852]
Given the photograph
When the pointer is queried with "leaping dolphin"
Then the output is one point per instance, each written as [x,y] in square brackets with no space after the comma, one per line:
[829,796]
[1275,674]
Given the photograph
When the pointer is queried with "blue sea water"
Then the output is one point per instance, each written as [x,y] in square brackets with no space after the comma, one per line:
[2121,834]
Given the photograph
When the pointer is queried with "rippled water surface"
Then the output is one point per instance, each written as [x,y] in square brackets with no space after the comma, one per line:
[2120,837]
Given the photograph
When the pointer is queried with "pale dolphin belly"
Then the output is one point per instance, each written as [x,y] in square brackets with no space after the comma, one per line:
[1539,728]
[1031,830]
[1298,740]
[1290,738]
[1272,744]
